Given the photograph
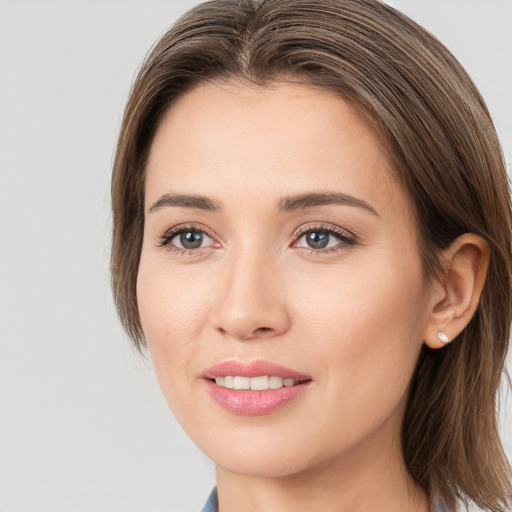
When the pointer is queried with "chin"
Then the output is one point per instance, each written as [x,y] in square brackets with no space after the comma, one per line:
[260,459]
[277,466]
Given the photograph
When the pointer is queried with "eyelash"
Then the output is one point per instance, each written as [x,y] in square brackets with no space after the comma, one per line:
[166,238]
[346,238]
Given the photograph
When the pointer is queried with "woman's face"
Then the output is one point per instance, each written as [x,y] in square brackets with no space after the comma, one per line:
[277,244]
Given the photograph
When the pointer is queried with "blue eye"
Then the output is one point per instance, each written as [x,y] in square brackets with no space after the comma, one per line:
[317,239]
[190,239]
[324,239]
[185,238]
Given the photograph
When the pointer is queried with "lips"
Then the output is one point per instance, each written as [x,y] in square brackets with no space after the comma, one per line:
[253,369]
[237,386]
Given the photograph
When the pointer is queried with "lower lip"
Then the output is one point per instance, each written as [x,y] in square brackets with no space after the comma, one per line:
[255,403]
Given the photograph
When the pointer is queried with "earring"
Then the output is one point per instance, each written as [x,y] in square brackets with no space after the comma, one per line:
[442,336]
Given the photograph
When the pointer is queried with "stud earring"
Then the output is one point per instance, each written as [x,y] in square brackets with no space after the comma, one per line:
[442,336]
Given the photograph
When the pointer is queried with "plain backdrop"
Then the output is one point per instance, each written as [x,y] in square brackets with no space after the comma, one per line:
[83,427]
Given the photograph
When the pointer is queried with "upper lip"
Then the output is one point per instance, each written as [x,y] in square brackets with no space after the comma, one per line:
[257,368]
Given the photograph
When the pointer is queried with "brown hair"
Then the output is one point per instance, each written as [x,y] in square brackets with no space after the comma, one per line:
[445,153]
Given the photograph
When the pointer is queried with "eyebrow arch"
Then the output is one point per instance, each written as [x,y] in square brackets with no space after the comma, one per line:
[311,200]
[286,204]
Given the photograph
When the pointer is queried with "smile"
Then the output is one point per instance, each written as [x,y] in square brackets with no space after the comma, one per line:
[254,388]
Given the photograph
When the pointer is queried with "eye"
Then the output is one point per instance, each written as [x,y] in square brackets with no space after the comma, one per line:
[190,239]
[185,239]
[319,239]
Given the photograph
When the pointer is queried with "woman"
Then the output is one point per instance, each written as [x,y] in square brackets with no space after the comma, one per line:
[312,233]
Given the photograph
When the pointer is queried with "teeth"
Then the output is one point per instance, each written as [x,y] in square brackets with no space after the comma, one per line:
[254,383]
[260,383]
[241,383]
[276,382]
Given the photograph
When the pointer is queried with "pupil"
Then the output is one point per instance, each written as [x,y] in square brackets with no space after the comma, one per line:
[317,239]
[191,239]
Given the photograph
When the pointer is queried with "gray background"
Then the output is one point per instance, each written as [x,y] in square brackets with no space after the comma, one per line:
[83,426]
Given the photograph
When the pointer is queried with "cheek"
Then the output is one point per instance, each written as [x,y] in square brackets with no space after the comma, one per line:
[172,310]
[365,326]
[361,299]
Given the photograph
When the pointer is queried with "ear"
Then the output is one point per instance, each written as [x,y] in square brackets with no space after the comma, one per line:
[454,300]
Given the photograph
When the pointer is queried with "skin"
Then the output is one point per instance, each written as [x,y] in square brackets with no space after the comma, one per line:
[353,317]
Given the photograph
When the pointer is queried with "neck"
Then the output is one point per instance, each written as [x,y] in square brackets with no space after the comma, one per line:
[370,477]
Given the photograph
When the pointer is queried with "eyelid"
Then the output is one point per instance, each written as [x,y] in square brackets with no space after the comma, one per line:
[330,228]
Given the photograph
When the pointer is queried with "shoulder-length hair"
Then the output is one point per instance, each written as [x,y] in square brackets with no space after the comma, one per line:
[445,153]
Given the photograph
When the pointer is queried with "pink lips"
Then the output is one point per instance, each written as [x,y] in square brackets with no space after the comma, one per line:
[253,403]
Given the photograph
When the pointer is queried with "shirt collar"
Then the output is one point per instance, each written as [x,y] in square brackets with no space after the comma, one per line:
[211,504]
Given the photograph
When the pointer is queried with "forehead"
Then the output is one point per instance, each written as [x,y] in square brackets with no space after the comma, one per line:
[233,141]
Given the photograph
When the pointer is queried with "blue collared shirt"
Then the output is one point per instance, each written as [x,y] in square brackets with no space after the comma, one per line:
[211,504]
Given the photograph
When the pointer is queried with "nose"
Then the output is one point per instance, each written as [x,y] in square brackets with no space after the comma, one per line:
[252,302]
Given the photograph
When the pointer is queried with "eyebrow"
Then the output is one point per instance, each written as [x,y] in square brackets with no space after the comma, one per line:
[286,204]
[195,202]
[314,199]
